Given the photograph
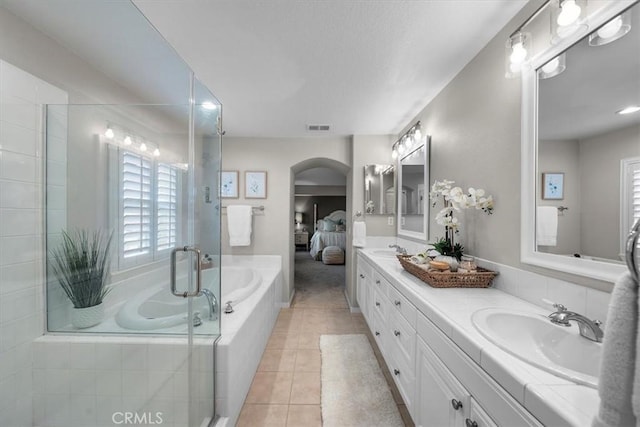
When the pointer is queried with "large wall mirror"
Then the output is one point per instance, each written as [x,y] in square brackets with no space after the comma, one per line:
[413,192]
[582,151]
[379,190]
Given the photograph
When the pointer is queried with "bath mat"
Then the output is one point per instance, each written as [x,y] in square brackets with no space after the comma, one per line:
[354,391]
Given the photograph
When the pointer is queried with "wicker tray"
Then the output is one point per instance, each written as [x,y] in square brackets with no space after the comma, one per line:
[445,279]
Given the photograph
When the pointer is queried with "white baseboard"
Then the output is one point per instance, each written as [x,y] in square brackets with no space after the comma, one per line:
[288,304]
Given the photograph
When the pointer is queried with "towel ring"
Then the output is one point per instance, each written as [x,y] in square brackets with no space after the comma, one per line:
[632,241]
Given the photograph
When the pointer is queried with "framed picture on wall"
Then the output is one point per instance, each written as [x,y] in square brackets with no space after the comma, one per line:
[255,184]
[553,186]
[229,184]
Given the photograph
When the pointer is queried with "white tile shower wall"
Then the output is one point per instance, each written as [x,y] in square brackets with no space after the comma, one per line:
[21,247]
[79,382]
[534,287]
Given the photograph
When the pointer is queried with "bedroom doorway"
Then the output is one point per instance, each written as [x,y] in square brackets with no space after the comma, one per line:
[320,204]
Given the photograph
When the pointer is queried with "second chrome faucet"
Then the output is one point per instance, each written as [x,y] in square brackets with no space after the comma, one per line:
[590,329]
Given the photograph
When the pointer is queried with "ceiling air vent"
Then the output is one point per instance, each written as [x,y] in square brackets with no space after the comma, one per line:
[318,128]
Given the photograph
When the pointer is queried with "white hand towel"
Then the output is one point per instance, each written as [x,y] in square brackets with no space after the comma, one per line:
[546,225]
[359,234]
[239,224]
[618,366]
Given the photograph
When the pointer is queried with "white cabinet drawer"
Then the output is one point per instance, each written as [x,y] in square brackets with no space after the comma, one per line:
[402,337]
[478,417]
[379,303]
[402,305]
[380,283]
[380,332]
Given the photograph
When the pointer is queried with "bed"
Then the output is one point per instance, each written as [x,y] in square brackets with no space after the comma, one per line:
[330,231]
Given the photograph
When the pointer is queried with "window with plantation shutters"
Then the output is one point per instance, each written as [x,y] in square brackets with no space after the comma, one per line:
[630,187]
[167,207]
[149,209]
[137,205]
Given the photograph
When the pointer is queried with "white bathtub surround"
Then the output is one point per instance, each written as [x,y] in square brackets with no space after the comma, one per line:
[148,373]
[444,323]
[245,333]
[354,391]
[21,248]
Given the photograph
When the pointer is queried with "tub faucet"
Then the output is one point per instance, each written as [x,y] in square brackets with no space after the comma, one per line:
[399,249]
[590,329]
[213,302]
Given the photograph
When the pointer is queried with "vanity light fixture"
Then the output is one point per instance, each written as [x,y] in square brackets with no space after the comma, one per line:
[612,30]
[554,67]
[156,152]
[143,147]
[629,110]
[109,133]
[127,140]
[407,141]
[567,17]
[518,47]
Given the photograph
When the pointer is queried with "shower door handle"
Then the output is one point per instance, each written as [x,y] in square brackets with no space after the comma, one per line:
[186,294]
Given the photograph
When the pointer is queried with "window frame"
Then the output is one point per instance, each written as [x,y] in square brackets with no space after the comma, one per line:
[628,167]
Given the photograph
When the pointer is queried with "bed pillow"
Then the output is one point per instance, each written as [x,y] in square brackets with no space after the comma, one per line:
[341,227]
[328,225]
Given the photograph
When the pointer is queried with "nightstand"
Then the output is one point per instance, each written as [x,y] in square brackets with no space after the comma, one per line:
[301,238]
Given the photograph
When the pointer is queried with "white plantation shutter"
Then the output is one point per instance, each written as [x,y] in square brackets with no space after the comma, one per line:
[167,207]
[137,205]
[630,198]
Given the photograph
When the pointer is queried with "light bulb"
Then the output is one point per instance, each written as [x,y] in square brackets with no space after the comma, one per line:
[394,154]
[156,152]
[629,110]
[611,28]
[570,12]
[401,148]
[109,133]
[515,68]
[143,147]
[551,66]
[127,140]
[518,53]
[417,135]
[208,105]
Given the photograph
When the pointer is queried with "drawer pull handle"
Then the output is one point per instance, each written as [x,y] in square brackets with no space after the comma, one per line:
[362,276]
[377,304]
[377,282]
[456,404]
[470,423]
[397,303]
[377,333]
[396,333]
[396,372]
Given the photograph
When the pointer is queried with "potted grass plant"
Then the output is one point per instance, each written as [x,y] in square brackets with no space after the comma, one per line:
[81,264]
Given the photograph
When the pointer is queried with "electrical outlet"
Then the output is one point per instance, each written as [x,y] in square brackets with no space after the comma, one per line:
[390,220]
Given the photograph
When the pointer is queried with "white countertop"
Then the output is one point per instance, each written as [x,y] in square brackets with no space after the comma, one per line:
[554,401]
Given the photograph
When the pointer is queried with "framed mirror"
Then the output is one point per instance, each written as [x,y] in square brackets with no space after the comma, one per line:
[413,192]
[581,149]
[379,190]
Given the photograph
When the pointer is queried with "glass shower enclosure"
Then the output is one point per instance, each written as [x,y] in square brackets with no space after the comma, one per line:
[132,232]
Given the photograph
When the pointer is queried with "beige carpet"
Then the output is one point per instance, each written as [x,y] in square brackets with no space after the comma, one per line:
[354,391]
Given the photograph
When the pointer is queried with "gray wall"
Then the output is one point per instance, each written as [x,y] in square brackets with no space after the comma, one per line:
[326,205]
[475,127]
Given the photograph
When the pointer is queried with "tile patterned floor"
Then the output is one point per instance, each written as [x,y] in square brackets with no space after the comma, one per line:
[286,389]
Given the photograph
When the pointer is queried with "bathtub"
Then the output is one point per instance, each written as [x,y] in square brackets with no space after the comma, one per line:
[156,308]
[145,371]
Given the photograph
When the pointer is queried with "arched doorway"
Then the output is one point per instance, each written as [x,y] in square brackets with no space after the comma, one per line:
[320,188]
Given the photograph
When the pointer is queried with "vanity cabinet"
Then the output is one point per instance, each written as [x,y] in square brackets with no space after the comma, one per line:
[440,384]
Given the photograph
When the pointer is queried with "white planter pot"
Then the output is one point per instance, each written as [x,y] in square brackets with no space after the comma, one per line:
[87,317]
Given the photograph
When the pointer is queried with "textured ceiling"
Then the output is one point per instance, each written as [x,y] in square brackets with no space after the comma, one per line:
[361,66]
[364,67]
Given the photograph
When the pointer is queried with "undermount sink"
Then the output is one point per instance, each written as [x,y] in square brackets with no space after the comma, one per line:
[532,338]
[388,253]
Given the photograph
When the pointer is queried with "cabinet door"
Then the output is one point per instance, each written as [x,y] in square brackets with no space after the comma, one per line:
[363,291]
[478,417]
[441,401]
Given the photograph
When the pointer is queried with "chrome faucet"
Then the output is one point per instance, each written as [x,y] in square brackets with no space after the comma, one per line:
[590,329]
[213,302]
[399,249]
